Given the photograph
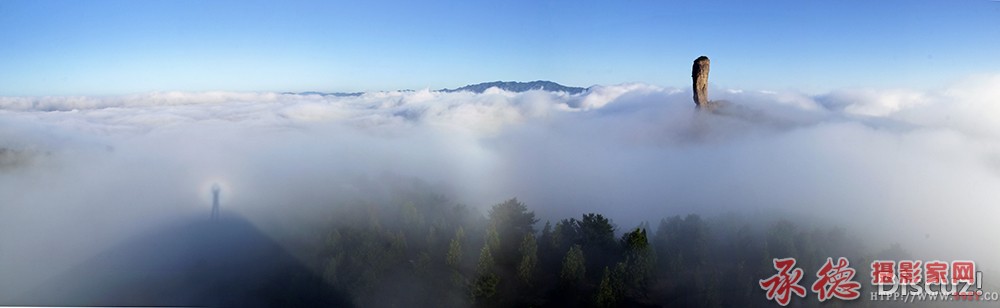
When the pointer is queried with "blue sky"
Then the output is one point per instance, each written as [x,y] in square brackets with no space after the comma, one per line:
[120,47]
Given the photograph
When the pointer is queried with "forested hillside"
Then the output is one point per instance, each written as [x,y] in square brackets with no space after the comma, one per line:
[418,248]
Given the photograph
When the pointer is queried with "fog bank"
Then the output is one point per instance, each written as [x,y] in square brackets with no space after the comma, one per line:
[78,174]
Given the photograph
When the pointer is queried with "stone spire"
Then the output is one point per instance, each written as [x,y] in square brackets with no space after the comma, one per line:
[699,76]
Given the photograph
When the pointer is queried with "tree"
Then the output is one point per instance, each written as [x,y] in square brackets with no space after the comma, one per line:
[566,234]
[605,295]
[574,268]
[597,237]
[596,230]
[492,238]
[682,242]
[454,256]
[512,215]
[369,248]
[609,292]
[546,240]
[529,259]
[546,244]
[511,221]
[550,258]
[412,218]
[638,262]
[485,285]
[694,240]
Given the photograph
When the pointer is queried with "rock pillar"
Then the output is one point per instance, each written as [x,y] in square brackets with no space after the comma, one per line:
[699,77]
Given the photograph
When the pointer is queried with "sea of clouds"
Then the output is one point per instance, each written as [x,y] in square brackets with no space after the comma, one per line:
[917,167]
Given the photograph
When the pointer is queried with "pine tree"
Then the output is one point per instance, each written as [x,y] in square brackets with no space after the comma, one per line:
[492,237]
[597,238]
[485,285]
[639,258]
[454,257]
[511,221]
[574,267]
[529,259]
[606,296]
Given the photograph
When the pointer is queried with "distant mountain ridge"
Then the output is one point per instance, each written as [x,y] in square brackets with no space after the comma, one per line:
[512,86]
[515,86]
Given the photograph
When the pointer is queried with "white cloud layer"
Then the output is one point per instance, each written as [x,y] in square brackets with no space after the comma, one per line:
[917,167]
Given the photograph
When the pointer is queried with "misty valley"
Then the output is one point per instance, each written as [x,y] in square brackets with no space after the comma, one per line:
[626,196]
[413,246]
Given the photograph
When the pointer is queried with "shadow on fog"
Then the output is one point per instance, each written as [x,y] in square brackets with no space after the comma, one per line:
[197,262]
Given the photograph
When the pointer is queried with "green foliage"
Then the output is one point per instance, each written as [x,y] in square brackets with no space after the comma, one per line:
[411,216]
[597,237]
[635,242]
[417,243]
[605,293]
[618,281]
[513,216]
[529,259]
[492,237]
[509,223]
[574,269]
[638,263]
[566,234]
[363,257]
[609,292]
[682,242]
[546,237]
[485,284]
[596,230]
[454,256]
